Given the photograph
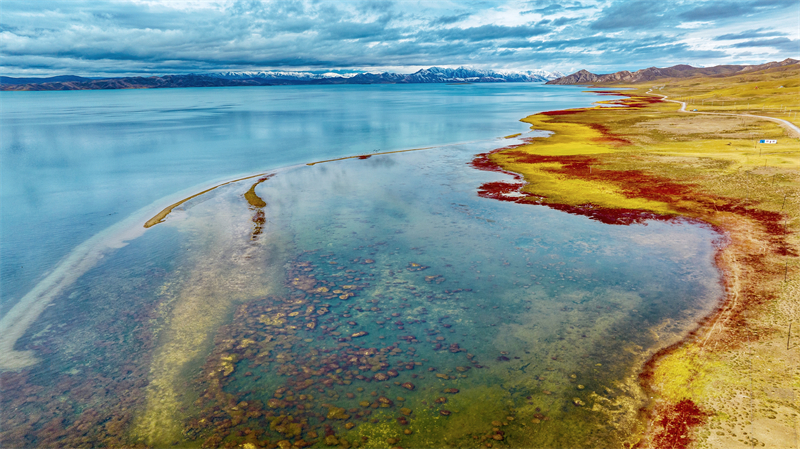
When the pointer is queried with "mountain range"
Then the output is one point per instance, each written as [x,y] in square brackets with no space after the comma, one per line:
[271,78]
[655,73]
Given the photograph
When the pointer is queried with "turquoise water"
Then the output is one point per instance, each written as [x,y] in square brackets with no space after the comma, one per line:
[74,163]
[371,302]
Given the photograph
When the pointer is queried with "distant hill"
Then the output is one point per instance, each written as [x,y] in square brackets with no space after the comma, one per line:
[52,79]
[430,75]
[655,73]
[137,82]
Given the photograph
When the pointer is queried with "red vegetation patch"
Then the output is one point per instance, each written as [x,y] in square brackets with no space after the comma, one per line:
[482,162]
[500,190]
[772,223]
[610,216]
[634,183]
[608,137]
[637,183]
[676,422]
[650,100]
[565,112]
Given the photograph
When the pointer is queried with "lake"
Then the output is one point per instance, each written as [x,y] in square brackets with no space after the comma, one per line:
[375,301]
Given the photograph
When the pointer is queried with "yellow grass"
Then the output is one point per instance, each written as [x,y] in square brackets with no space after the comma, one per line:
[737,367]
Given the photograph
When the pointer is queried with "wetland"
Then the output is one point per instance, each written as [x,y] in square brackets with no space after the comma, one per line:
[382,301]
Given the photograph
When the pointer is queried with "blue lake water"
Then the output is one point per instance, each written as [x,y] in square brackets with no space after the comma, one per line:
[365,302]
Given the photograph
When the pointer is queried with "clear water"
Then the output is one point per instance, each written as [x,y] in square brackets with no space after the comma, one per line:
[74,163]
[235,325]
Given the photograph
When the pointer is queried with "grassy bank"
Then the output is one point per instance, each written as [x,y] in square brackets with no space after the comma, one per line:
[735,380]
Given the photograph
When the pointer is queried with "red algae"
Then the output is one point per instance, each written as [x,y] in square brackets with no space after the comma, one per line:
[566,112]
[730,326]
[608,137]
[676,423]
[634,184]
[500,190]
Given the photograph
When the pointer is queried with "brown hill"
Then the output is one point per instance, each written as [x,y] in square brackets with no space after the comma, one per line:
[655,73]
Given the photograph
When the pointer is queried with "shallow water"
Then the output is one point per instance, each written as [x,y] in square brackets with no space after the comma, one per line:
[75,163]
[484,321]
[370,302]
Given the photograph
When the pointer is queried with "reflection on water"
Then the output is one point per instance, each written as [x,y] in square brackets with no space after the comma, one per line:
[373,303]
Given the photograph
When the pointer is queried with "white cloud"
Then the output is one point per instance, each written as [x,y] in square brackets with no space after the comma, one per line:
[693,25]
[166,36]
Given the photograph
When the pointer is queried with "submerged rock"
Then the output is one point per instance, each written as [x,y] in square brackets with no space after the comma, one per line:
[337,413]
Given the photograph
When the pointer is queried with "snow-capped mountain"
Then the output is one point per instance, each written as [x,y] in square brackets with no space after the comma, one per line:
[429,75]
[280,75]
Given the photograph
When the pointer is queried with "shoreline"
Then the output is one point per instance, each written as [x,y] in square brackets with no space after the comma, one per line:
[665,418]
[708,330]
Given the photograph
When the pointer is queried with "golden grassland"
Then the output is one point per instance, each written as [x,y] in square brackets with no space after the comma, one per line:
[771,93]
[741,366]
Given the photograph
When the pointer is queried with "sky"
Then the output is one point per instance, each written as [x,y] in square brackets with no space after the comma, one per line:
[157,37]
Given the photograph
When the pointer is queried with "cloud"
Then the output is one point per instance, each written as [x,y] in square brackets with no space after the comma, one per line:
[780,43]
[493,32]
[90,37]
[693,25]
[450,19]
[555,7]
[749,34]
[563,21]
[727,9]
[631,14]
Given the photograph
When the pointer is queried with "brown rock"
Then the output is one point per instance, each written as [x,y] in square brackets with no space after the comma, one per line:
[337,413]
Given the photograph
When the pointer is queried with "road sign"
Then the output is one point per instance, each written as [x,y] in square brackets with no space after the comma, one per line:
[767,141]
